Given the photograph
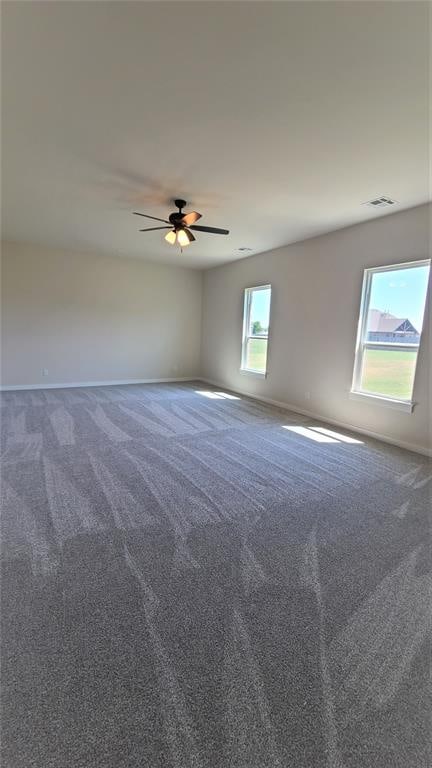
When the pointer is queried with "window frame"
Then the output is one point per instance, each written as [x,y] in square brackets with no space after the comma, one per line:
[246,336]
[356,392]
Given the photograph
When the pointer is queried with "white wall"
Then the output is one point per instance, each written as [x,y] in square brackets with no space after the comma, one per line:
[88,317]
[316,287]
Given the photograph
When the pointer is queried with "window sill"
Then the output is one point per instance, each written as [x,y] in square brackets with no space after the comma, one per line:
[250,372]
[406,406]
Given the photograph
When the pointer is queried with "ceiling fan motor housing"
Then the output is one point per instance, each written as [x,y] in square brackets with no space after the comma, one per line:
[176,218]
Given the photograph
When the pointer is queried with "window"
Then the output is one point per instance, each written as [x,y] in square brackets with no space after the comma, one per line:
[256,321]
[390,326]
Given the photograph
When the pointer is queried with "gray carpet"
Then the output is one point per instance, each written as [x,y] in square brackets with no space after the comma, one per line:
[188,584]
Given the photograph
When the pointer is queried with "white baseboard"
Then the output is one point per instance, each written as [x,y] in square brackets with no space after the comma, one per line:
[114,382]
[326,420]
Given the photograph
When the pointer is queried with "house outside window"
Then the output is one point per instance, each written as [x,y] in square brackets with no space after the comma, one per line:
[389,332]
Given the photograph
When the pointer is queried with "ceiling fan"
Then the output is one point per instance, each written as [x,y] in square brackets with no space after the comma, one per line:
[180,225]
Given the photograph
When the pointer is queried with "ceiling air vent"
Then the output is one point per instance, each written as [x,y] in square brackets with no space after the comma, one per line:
[381,202]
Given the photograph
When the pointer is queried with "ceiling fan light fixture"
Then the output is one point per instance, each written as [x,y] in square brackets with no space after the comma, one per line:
[184,237]
[171,237]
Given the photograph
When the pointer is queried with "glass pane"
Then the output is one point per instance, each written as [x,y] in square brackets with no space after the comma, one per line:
[259,312]
[256,355]
[389,372]
[396,305]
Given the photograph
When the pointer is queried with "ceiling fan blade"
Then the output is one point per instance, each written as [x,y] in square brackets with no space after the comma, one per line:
[151,229]
[213,230]
[190,218]
[150,217]
[190,236]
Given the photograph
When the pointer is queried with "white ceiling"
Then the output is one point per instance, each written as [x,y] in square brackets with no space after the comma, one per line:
[275,120]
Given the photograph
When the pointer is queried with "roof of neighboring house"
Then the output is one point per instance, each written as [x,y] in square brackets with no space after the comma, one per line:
[384,322]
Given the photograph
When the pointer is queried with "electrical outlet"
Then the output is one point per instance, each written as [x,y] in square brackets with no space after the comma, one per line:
[44,371]
[307,395]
